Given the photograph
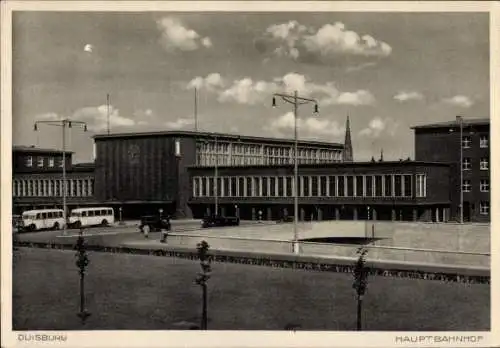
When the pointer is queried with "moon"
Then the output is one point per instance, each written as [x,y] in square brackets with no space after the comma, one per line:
[88,48]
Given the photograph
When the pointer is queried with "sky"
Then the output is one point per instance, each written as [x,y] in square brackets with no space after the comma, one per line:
[387,71]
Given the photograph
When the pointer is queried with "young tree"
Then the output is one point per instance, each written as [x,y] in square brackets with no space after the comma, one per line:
[360,283]
[203,277]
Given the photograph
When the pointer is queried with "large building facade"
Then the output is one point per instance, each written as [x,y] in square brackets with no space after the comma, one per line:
[469,159]
[179,172]
[38,182]
[145,172]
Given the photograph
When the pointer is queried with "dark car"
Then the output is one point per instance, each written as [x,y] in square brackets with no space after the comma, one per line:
[219,221]
[154,223]
[285,219]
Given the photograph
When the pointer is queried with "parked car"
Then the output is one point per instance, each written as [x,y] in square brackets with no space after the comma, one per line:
[154,223]
[220,221]
[285,219]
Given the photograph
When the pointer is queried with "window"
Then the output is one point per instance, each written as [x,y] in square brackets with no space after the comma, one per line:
[407,186]
[397,186]
[483,164]
[388,185]
[350,186]
[281,186]
[51,161]
[265,193]
[369,183]
[341,187]
[29,161]
[421,186]
[332,186]
[483,141]
[359,186]
[322,184]
[466,141]
[484,185]
[233,186]
[289,186]
[40,162]
[466,164]
[378,185]
[314,186]
[484,208]
[61,162]
[305,191]
[466,186]
[241,187]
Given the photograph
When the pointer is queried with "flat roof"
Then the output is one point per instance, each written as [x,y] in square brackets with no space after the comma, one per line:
[32,148]
[454,123]
[334,164]
[222,136]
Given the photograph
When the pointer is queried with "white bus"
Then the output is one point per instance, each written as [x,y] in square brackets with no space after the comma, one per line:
[35,220]
[91,217]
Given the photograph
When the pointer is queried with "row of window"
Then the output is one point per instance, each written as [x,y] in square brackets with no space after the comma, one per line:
[483,164]
[484,185]
[467,141]
[224,153]
[52,187]
[42,160]
[393,185]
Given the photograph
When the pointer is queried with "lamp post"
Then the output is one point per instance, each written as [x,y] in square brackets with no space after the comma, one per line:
[64,123]
[295,100]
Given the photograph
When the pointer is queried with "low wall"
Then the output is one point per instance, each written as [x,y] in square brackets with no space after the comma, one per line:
[445,236]
[375,252]
[331,228]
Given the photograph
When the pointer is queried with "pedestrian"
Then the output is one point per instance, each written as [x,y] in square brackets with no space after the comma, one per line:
[165,228]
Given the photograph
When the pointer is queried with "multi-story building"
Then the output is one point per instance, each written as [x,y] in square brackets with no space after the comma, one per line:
[403,190]
[441,142]
[37,180]
[145,172]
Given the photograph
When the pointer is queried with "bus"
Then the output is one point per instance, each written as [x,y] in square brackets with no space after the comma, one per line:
[99,216]
[42,219]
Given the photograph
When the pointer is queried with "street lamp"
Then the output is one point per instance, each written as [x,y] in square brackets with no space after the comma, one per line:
[63,124]
[295,100]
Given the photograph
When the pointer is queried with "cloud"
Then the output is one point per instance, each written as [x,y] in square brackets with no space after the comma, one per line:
[175,36]
[248,91]
[88,48]
[459,100]
[360,67]
[308,127]
[50,116]
[406,96]
[180,123]
[97,120]
[296,41]
[211,82]
[377,126]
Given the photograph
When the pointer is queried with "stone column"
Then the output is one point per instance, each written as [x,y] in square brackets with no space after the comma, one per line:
[254,214]
[320,213]
[302,214]
[269,213]
[209,211]
[393,214]
[223,211]
[355,213]
[337,213]
[374,214]
[415,214]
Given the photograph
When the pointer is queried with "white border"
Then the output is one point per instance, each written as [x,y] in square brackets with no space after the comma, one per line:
[229,338]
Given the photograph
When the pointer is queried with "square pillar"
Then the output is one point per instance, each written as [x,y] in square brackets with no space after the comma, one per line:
[355,213]
[374,214]
[320,213]
[223,211]
[208,211]
[302,214]
[337,213]
[393,214]
[269,213]
[254,214]
[415,214]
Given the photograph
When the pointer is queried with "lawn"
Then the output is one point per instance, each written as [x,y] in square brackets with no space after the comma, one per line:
[138,292]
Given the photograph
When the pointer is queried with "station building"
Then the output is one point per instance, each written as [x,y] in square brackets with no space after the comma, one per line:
[176,171]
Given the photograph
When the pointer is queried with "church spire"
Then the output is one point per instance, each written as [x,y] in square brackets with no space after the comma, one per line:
[347,142]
